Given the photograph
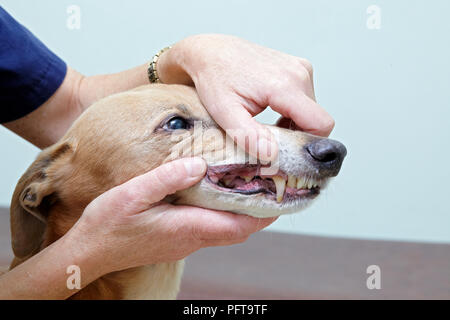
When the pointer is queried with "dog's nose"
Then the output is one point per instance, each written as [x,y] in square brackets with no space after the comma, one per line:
[327,154]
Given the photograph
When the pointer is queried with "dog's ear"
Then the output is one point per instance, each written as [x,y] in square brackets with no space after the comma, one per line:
[31,201]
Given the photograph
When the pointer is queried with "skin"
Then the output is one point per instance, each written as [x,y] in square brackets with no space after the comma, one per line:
[231,88]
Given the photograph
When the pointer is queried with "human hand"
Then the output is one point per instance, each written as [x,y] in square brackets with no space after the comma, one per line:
[236,80]
[128,226]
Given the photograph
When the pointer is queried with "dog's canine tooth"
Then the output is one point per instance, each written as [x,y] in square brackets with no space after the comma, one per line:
[292,181]
[247,178]
[280,185]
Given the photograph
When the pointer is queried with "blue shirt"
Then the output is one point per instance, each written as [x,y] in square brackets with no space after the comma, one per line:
[29,72]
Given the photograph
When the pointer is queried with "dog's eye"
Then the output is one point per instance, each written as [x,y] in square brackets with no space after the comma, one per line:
[176,124]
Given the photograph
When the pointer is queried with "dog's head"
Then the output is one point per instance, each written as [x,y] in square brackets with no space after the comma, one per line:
[130,133]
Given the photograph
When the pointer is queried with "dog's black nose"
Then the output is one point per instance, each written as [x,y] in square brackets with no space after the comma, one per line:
[327,154]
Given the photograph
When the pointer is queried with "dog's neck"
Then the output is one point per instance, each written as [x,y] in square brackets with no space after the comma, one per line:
[158,281]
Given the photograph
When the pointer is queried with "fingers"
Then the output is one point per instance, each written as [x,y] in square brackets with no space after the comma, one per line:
[305,112]
[298,102]
[286,123]
[220,228]
[221,243]
[305,77]
[139,193]
[248,134]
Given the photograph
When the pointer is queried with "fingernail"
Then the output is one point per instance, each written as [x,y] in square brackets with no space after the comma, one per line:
[195,167]
[267,149]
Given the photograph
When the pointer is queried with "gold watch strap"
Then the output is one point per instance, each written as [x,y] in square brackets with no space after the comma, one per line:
[152,73]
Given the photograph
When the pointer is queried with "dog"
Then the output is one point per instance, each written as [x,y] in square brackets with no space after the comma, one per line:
[127,134]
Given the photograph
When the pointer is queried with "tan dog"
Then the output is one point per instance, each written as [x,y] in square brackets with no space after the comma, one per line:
[128,134]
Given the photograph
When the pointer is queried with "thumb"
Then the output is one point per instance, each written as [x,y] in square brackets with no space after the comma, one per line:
[139,193]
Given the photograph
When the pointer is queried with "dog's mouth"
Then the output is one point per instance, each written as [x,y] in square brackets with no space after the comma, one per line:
[248,180]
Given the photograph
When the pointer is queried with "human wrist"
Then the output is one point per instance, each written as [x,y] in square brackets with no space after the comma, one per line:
[174,66]
[87,253]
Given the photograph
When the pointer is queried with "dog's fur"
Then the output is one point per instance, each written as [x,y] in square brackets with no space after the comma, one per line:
[121,137]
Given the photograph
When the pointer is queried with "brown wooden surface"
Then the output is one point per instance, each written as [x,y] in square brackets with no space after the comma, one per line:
[274,265]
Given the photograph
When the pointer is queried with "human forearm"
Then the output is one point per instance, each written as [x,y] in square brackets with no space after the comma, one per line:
[95,87]
[44,276]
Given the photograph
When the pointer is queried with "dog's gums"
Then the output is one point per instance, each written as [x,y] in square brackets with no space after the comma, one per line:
[247,179]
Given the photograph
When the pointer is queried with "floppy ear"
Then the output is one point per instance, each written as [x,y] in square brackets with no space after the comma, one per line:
[31,201]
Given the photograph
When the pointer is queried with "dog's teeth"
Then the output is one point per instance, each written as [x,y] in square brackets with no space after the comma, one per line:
[280,185]
[227,180]
[306,183]
[247,178]
[292,182]
[214,179]
[300,183]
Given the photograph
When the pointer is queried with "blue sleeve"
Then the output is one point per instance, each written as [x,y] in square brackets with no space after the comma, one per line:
[29,72]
